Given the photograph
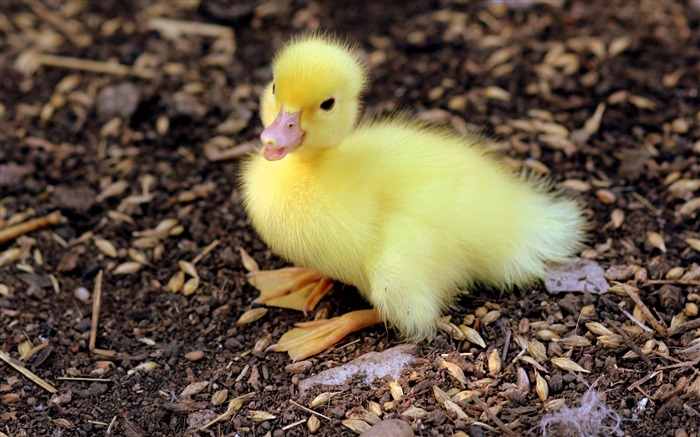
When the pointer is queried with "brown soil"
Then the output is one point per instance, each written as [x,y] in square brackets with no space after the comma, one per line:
[118,154]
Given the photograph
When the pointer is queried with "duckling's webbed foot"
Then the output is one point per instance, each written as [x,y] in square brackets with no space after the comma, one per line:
[295,288]
[310,338]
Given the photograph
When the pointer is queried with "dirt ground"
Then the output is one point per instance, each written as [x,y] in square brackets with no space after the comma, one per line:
[131,125]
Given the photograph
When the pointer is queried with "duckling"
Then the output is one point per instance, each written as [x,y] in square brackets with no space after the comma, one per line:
[406,212]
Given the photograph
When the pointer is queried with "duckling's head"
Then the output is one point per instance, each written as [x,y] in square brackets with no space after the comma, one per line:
[313,99]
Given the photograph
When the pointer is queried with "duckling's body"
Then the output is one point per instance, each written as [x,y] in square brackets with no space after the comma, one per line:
[406,212]
[409,214]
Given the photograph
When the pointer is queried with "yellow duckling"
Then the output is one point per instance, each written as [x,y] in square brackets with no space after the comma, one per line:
[406,212]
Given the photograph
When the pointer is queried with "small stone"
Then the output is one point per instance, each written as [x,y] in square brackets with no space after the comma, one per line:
[82,294]
[116,100]
[578,275]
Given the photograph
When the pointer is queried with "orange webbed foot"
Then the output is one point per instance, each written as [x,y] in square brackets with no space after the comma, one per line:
[310,338]
[295,288]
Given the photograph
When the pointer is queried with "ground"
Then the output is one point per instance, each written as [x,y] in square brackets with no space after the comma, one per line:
[139,152]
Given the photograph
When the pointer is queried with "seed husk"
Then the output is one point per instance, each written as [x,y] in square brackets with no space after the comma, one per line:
[491,317]
[568,364]
[522,380]
[252,315]
[194,389]
[176,281]
[617,217]
[537,350]
[598,328]
[547,335]
[494,362]
[219,397]
[127,268]
[456,373]
[362,414]
[248,262]
[472,335]
[414,413]
[260,416]
[323,399]
[188,268]
[694,243]
[455,411]
[396,390]
[356,425]
[106,247]
[575,341]
[145,367]
[440,395]
[611,341]
[450,328]
[375,409]
[541,387]
[313,424]
[656,240]
[190,286]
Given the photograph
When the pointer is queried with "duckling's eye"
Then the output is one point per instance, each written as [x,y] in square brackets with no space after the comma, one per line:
[327,105]
[273,88]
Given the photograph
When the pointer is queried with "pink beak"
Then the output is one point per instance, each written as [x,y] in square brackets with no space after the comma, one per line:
[282,135]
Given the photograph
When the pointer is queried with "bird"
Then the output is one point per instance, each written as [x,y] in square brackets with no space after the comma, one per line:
[407,212]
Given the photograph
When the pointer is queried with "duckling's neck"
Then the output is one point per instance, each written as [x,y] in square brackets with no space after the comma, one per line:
[309,156]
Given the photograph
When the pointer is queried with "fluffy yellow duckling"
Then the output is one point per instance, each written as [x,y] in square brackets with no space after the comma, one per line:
[406,212]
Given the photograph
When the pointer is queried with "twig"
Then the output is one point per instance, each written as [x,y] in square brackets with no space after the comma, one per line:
[91,66]
[684,327]
[673,281]
[173,28]
[111,424]
[506,344]
[292,425]
[645,310]
[628,341]
[71,378]
[232,153]
[502,426]
[95,319]
[205,251]
[309,410]
[646,203]
[9,234]
[643,380]
[79,38]
[634,319]
[28,373]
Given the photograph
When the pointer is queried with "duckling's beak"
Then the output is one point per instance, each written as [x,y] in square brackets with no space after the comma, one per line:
[282,135]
